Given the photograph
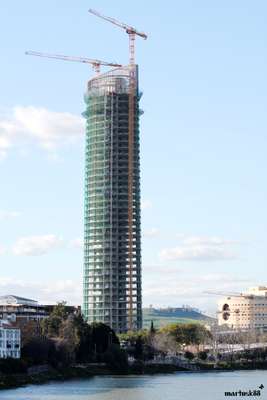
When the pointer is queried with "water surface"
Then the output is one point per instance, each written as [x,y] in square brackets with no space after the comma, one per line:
[187,386]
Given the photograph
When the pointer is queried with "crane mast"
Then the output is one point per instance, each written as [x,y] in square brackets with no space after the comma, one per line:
[131,32]
[96,64]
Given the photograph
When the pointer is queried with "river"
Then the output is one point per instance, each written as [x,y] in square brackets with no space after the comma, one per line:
[187,386]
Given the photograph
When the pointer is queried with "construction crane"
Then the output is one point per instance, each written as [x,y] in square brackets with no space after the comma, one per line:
[132,32]
[95,63]
[129,30]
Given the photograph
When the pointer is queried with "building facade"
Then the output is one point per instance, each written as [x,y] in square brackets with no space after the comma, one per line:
[20,310]
[245,312]
[112,242]
[9,341]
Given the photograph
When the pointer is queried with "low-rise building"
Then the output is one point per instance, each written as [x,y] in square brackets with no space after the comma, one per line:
[19,309]
[245,311]
[9,340]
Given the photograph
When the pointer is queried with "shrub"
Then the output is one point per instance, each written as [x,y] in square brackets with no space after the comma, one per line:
[203,355]
[116,358]
[12,366]
[190,356]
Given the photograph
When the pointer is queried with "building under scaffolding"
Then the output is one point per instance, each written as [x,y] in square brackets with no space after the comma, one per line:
[112,248]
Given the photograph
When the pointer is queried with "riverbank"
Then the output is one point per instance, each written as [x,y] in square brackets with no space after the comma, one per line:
[82,372]
[12,381]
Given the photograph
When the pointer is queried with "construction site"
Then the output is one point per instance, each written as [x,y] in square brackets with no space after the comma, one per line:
[112,232]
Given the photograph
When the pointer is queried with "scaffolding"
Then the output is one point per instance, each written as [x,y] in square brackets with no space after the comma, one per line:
[112,251]
[112,239]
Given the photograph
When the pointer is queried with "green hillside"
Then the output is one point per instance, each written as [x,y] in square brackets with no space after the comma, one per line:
[165,316]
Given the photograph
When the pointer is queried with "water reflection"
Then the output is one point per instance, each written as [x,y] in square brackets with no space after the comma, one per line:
[189,386]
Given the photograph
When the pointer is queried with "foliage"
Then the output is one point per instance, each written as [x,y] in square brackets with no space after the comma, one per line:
[84,347]
[139,349]
[102,337]
[139,343]
[51,325]
[203,355]
[28,330]
[132,336]
[152,330]
[189,355]
[66,338]
[143,344]
[187,334]
[165,343]
[37,350]
[116,358]
[12,366]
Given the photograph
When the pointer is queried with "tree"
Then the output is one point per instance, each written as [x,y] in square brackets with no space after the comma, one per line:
[116,358]
[85,348]
[138,349]
[152,330]
[28,330]
[132,336]
[64,354]
[102,337]
[203,355]
[73,339]
[12,366]
[51,325]
[189,334]
[38,350]
[69,336]
[70,332]
[189,355]
[165,343]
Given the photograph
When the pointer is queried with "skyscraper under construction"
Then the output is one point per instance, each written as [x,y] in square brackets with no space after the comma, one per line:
[112,239]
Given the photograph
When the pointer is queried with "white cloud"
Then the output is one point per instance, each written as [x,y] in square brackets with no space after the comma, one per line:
[77,243]
[151,233]
[197,248]
[4,145]
[2,250]
[49,129]
[188,288]
[37,245]
[4,215]
[145,204]
[151,270]
[46,293]
[66,286]
[207,241]
[197,253]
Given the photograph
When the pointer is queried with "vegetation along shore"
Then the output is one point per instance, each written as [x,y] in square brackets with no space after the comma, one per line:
[65,347]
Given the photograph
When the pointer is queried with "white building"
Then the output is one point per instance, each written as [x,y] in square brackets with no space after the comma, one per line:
[244,311]
[9,341]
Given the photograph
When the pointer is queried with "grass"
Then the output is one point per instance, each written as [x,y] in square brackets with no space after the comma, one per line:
[160,321]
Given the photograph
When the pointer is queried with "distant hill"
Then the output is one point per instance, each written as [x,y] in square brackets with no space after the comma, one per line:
[165,316]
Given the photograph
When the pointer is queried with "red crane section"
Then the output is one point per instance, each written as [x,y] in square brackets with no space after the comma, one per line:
[129,30]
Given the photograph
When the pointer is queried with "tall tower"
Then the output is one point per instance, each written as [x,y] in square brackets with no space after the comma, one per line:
[112,237]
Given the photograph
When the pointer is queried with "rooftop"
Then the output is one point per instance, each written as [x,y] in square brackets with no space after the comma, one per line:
[16,300]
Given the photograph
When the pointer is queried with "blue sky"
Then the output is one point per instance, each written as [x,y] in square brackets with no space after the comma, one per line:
[203,145]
